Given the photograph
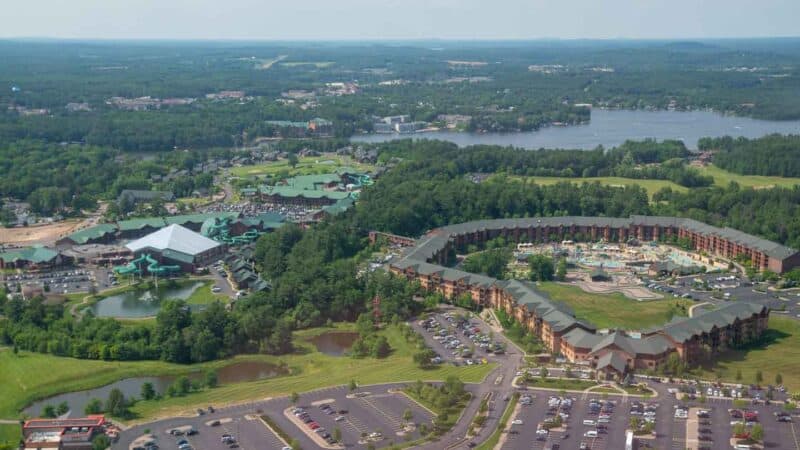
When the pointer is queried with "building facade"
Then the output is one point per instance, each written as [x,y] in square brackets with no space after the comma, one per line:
[612,352]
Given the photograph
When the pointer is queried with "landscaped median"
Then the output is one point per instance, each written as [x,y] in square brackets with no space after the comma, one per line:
[494,439]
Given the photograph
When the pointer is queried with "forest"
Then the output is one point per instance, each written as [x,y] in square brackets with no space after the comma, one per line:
[526,86]
[776,155]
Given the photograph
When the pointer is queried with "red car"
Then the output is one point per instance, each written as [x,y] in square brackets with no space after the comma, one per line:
[313,425]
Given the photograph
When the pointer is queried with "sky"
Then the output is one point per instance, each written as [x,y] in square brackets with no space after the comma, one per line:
[399,19]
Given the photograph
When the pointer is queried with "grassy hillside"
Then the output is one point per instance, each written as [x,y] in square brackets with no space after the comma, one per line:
[723,178]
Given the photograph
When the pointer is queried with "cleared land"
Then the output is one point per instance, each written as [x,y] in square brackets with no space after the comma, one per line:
[29,376]
[652,186]
[614,310]
[37,234]
[779,354]
[723,178]
[311,165]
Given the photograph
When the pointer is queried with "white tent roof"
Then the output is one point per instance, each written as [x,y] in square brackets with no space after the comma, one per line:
[174,237]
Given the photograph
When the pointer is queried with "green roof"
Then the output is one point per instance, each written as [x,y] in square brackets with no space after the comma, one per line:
[36,254]
[95,232]
[138,224]
[287,124]
[289,192]
[312,182]
[199,218]
[340,206]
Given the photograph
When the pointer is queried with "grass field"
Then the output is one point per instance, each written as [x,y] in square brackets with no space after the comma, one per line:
[780,355]
[613,310]
[10,434]
[30,376]
[305,166]
[723,178]
[204,296]
[652,186]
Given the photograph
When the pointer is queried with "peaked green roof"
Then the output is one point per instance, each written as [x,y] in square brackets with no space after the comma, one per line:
[95,232]
[37,254]
[289,192]
[138,224]
[312,182]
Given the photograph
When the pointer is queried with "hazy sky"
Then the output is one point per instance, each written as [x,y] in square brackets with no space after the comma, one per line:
[399,19]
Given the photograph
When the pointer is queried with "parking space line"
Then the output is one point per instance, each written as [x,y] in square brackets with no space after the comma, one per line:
[794,435]
[393,420]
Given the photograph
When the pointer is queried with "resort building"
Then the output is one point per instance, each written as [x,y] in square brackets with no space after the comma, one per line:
[611,352]
[62,434]
[178,246]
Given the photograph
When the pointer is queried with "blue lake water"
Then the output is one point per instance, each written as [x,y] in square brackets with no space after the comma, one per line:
[611,128]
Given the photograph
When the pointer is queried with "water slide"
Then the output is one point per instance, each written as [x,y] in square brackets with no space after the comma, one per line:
[220,231]
[153,267]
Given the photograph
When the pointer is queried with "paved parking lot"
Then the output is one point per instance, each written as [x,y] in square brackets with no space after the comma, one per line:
[56,281]
[377,410]
[449,338]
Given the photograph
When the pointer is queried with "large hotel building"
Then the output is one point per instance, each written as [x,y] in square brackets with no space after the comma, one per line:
[612,352]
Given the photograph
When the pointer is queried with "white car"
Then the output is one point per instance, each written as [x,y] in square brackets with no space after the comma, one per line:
[516,422]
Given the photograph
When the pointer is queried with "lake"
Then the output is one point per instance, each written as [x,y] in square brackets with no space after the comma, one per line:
[138,304]
[132,387]
[611,128]
[334,343]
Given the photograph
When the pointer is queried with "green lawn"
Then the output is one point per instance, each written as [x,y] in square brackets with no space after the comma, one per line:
[779,355]
[30,376]
[204,296]
[723,178]
[652,186]
[10,434]
[560,383]
[614,310]
[313,165]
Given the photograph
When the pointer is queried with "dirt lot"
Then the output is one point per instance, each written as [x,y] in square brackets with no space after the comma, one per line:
[37,234]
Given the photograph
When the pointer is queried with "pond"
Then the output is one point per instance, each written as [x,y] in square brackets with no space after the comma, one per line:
[611,128]
[138,304]
[334,343]
[131,387]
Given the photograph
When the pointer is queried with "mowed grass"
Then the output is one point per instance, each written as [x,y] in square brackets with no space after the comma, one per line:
[314,370]
[311,165]
[614,310]
[27,377]
[204,296]
[780,354]
[651,186]
[723,178]
[10,434]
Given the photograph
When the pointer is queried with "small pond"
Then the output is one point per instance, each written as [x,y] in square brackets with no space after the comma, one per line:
[131,387]
[334,343]
[138,304]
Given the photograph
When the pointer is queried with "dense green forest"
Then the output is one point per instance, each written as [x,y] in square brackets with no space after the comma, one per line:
[775,154]
[512,86]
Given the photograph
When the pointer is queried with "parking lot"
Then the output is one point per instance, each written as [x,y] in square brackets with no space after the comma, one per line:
[378,412]
[55,281]
[459,340]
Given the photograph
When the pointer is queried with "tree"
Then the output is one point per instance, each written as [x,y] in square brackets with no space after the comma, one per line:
[115,404]
[381,348]
[544,373]
[739,375]
[95,406]
[759,377]
[541,267]
[407,415]
[147,391]
[778,379]
[62,408]
[757,432]
[101,442]
[294,398]
[211,379]
[561,269]
[292,159]
[295,444]
[49,411]
[337,434]
[353,385]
